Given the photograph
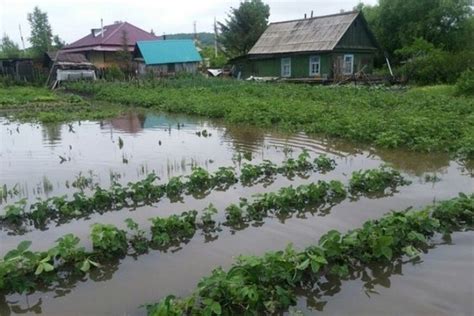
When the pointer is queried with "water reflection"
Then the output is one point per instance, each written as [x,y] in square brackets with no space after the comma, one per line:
[51,133]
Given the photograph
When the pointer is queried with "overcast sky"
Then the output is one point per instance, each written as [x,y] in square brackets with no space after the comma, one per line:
[73,19]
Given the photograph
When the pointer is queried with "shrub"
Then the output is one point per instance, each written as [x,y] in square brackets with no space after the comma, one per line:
[465,83]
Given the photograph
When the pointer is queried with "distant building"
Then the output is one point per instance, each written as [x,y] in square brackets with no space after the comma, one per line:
[67,66]
[101,46]
[21,69]
[323,47]
[166,57]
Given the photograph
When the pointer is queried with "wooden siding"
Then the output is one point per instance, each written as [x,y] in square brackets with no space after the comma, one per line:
[166,69]
[271,67]
[356,37]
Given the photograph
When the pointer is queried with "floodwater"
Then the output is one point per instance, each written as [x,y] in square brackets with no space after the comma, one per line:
[37,161]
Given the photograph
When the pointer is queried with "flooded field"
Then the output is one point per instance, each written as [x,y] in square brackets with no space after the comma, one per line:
[39,161]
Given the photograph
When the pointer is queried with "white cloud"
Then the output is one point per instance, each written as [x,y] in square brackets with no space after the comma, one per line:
[74,18]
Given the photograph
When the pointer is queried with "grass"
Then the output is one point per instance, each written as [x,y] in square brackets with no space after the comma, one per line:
[27,103]
[422,119]
[18,95]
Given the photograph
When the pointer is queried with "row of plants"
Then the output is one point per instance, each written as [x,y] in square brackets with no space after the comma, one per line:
[420,119]
[22,269]
[257,285]
[145,192]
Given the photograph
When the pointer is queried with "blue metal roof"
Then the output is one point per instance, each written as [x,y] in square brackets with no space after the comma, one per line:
[168,51]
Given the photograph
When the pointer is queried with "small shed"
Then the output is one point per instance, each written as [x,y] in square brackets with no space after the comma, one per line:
[21,69]
[166,57]
[67,66]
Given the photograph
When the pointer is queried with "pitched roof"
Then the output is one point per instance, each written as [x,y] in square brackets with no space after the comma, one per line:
[313,34]
[60,56]
[112,37]
[168,51]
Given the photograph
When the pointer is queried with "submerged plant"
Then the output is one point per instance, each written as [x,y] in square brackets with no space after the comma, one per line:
[108,239]
[267,284]
[376,180]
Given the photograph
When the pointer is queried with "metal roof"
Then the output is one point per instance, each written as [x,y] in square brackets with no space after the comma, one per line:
[112,37]
[168,51]
[312,34]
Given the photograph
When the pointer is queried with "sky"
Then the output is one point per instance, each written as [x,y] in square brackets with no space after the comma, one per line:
[73,19]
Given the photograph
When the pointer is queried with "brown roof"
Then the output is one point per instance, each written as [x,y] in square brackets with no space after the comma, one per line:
[60,56]
[313,34]
[111,39]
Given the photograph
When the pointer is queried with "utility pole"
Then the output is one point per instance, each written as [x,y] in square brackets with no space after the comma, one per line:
[21,36]
[195,32]
[215,37]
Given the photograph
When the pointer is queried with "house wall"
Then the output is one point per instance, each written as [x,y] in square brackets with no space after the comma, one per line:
[357,37]
[103,59]
[166,69]
[271,67]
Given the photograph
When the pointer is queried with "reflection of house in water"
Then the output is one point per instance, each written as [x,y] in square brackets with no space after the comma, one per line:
[130,122]
[51,132]
[245,139]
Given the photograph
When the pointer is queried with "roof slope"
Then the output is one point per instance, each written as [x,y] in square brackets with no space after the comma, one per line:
[168,51]
[313,34]
[113,36]
[59,56]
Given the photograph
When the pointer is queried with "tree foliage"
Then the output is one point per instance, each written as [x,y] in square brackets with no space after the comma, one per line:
[447,24]
[41,33]
[9,48]
[243,27]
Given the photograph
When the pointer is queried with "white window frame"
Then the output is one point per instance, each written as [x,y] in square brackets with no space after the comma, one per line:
[285,62]
[344,64]
[314,60]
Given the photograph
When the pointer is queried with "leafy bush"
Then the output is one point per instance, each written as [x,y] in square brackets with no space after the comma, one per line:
[465,83]
[425,64]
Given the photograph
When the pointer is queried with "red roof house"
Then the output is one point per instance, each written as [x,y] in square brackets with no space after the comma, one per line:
[101,45]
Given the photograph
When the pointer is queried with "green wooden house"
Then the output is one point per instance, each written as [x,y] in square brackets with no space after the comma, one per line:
[324,47]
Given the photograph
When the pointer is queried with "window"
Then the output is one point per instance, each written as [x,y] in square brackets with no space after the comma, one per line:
[314,65]
[348,64]
[286,67]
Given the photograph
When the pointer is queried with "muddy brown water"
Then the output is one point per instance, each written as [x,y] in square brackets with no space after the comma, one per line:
[30,158]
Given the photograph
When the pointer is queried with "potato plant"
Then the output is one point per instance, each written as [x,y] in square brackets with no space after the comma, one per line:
[111,242]
[145,192]
[267,284]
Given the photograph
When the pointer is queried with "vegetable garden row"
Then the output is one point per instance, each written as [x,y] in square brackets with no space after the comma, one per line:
[267,284]
[23,270]
[145,192]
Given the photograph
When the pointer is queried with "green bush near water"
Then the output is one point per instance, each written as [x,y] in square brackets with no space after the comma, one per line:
[422,119]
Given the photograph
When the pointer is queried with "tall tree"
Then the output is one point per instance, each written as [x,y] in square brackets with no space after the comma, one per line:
[9,48]
[397,23]
[41,32]
[58,43]
[243,27]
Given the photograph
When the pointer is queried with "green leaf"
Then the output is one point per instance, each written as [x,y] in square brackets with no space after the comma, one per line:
[85,266]
[216,308]
[315,266]
[39,269]
[411,251]
[25,244]
[48,267]
[303,265]
[387,252]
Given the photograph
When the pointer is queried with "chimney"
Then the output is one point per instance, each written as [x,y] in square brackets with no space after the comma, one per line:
[311,13]
[164,36]
[305,16]
[102,28]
